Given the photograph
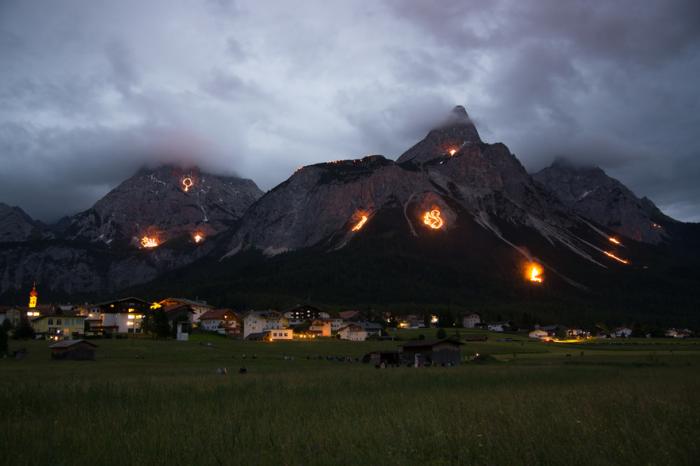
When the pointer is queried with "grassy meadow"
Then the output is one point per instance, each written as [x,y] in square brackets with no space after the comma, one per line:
[161,402]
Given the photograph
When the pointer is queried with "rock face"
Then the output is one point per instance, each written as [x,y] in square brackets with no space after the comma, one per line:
[454,134]
[591,193]
[16,225]
[451,170]
[99,250]
[166,202]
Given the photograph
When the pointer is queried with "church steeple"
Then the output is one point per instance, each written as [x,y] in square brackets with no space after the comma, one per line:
[33,297]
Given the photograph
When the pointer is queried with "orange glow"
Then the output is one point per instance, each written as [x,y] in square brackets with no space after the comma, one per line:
[534,273]
[433,220]
[187,183]
[615,240]
[358,226]
[149,242]
[198,237]
[619,259]
[452,152]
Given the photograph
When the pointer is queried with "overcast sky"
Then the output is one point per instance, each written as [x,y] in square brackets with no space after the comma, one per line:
[90,90]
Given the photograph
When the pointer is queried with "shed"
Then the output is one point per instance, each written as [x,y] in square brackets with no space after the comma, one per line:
[440,352]
[77,350]
[385,358]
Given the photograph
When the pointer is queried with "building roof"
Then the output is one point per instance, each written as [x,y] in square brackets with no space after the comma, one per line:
[191,302]
[69,343]
[121,300]
[348,314]
[352,328]
[217,314]
[430,343]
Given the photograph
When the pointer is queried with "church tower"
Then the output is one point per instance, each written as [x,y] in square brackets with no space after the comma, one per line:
[33,297]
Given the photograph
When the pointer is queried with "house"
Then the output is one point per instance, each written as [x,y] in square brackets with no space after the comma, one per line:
[279,334]
[261,321]
[498,326]
[57,325]
[223,321]
[471,320]
[373,329]
[577,333]
[321,327]
[678,333]
[198,307]
[352,332]
[540,334]
[180,314]
[445,352]
[336,324]
[303,313]
[622,332]
[120,316]
[77,350]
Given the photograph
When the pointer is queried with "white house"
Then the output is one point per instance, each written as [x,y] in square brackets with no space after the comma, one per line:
[539,334]
[279,334]
[498,326]
[622,332]
[261,321]
[352,332]
[470,320]
[223,321]
[336,324]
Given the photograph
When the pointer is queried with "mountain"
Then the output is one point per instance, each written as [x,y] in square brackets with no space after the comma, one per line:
[164,203]
[16,225]
[101,251]
[591,193]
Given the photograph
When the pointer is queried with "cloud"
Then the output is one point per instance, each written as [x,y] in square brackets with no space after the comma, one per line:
[89,93]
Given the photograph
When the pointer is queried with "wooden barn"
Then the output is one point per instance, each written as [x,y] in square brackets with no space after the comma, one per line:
[76,350]
[446,352]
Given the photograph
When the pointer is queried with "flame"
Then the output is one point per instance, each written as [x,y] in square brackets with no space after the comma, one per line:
[361,223]
[198,237]
[187,183]
[433,220]
[534,273]
[615,241]
[452,152]
[619,259]
[149,242]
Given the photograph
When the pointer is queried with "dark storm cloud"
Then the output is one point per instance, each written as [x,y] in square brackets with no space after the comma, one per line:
[90,91]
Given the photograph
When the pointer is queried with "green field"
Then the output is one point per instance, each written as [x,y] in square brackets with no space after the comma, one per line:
[161,402]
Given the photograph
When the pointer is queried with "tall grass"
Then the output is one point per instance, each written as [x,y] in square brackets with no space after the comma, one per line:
[161,403]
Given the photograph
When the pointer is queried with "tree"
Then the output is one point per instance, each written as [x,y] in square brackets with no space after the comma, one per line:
[3,339]
[441,333]
[158,324]
[24,330]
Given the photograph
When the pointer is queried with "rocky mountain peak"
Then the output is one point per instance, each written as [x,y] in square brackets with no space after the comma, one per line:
[165,201]
[595,195]
[450,137]
[15,224]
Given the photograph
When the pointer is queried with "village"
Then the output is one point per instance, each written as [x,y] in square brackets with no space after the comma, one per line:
[68,326]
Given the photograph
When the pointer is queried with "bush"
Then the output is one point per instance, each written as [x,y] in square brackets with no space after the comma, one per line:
[441,333]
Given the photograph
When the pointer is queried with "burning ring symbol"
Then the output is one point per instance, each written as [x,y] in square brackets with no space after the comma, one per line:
[187,183]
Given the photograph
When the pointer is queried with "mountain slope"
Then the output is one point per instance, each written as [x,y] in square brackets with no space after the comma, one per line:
[591,193]
[165,202]
[16,225]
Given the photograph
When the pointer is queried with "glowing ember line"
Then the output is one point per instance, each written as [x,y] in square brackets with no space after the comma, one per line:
[452,152]
[614,240]
[198,238]
[149,242]
[433,219]
[613,256]
[360,224]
